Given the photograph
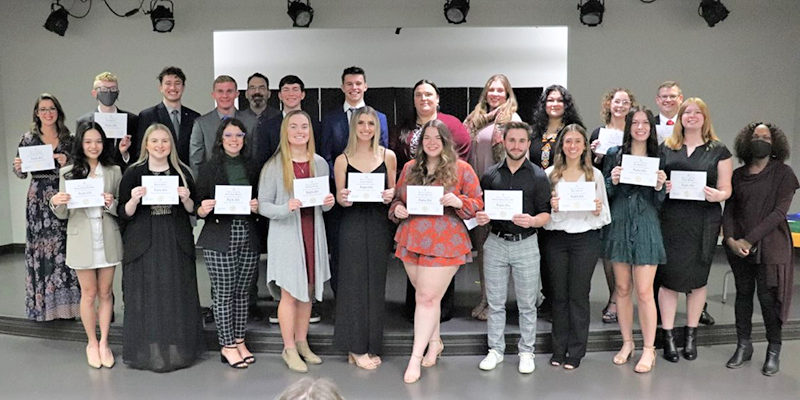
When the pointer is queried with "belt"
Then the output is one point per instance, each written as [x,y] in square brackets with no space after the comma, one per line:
[513,237]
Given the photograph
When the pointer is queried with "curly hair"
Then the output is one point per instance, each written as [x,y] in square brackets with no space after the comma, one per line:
[605,102]
[780,143]
[540,118]
[446,169]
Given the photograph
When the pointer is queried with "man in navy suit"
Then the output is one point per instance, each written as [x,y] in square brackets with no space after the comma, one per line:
[170,112]
[336,124]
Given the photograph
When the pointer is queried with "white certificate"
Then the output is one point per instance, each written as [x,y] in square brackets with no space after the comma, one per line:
[161,190]
[608,138]
[502,204]
[424,200]
[576,196]
[312,191]
[366,187]
[470,223]
[232,200]
[37,158]
[688,185]
[85,193]
[664,131]
[642,171]
[114,124]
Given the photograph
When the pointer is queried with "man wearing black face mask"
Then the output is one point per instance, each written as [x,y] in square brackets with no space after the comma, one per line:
[106,91]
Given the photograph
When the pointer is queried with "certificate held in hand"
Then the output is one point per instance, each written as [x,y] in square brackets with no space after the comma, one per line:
[424,200]
[688,185]
[85,193]
[576,196]
[608,138]
[115,125]
[161,190]
[366,187]
[503,204]
[232,199]
[642,171]
[312,191]
[37,158]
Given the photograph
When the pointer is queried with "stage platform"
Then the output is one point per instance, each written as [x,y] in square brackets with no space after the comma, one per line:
[462,335]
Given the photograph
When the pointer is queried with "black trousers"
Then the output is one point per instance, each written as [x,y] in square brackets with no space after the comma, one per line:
[749,279]
[332,218]
[571,259]
[544,271]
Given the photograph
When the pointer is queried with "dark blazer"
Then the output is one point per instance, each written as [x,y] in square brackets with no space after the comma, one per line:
[216,233]
[158,114]
[336,132]
[268,139]
[137,235]
[133,127]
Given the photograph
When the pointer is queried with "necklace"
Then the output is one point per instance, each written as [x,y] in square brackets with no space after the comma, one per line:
[302,170]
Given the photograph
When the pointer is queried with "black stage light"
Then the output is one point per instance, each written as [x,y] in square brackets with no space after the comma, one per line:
[713,11]
[455,11]
[162,15]
[301,13]
[57,22]
[592,12]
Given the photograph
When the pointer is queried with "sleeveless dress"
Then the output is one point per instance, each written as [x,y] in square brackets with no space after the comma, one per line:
[365,240]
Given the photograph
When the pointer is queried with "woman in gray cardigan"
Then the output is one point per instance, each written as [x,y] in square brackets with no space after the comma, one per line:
[297,250]
[94,244]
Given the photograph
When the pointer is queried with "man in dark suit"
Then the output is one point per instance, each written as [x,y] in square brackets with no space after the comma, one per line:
[257,95]
[170,112]
[204,132]
[106,91]
[335,134]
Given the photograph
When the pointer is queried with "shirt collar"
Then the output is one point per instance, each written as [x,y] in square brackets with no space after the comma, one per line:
[170,109]
[527,164]
[347,105]
[663,119]
[116,110]
[221,115]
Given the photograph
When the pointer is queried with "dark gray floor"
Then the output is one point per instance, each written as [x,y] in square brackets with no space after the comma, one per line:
[43,369]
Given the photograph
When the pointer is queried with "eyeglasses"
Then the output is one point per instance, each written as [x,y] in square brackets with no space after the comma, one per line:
[103,89]
[669,97]
[621,102]
[231,135]
[261,87]
[51,110]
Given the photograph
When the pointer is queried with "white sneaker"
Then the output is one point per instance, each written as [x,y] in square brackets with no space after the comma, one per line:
[491,360]
[526,365]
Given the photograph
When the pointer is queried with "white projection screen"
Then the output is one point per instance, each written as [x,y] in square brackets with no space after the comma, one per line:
[451,56]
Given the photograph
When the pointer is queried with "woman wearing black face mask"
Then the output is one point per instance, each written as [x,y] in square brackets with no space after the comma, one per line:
[757,238]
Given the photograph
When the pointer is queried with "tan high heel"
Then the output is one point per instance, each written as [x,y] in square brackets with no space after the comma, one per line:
[293,360]
[307,354]
[427,364]
[107,359]
[413,379]
[93,358]
[619,358]
[642,368]
[368,365]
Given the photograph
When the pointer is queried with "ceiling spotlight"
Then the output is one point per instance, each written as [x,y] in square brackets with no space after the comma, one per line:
[57,22]
[455,11]
[162,15]
[592,12]
[713,11]
[301,13]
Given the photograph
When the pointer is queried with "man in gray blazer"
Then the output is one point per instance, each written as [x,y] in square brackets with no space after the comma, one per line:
[205,127]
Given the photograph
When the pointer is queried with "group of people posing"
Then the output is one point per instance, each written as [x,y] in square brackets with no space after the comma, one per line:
[655,246]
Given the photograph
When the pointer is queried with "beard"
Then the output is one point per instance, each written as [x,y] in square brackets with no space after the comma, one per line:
[517,158]
[258,100]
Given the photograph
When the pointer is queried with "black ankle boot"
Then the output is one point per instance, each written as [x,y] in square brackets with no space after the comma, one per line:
[670,350]
[690,343]
[773,362]
[743,354]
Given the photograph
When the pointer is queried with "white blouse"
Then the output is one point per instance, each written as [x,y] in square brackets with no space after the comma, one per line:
[581,221]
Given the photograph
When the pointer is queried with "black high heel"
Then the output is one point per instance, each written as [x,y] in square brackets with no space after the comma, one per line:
[773,362]
[670,349]
[237,365]
[251,359]
[690,343]
[743,354]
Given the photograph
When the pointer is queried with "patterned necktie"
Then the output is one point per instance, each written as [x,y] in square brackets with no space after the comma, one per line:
[350,112]
[175,124]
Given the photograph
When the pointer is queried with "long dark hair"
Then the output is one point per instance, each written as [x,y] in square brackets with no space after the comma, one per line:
[218,152]
[80,166]
[627,139]
[61,128]
[540,118]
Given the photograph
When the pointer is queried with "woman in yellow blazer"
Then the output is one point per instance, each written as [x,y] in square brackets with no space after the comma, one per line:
[94,244]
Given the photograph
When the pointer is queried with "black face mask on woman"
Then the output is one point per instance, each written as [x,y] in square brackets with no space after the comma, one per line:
[760,148]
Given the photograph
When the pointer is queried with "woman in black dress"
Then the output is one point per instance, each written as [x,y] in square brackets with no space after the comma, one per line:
[757,238]
[365,242]
[691,228]
[162,330]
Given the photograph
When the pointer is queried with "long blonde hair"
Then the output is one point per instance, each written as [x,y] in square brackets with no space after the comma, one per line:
[352,140]
[446,169]
[173,159]
[286,152]
[675,141]
[560,162]
[478,118]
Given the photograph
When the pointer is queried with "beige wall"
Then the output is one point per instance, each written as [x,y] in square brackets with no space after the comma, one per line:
[747,67]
